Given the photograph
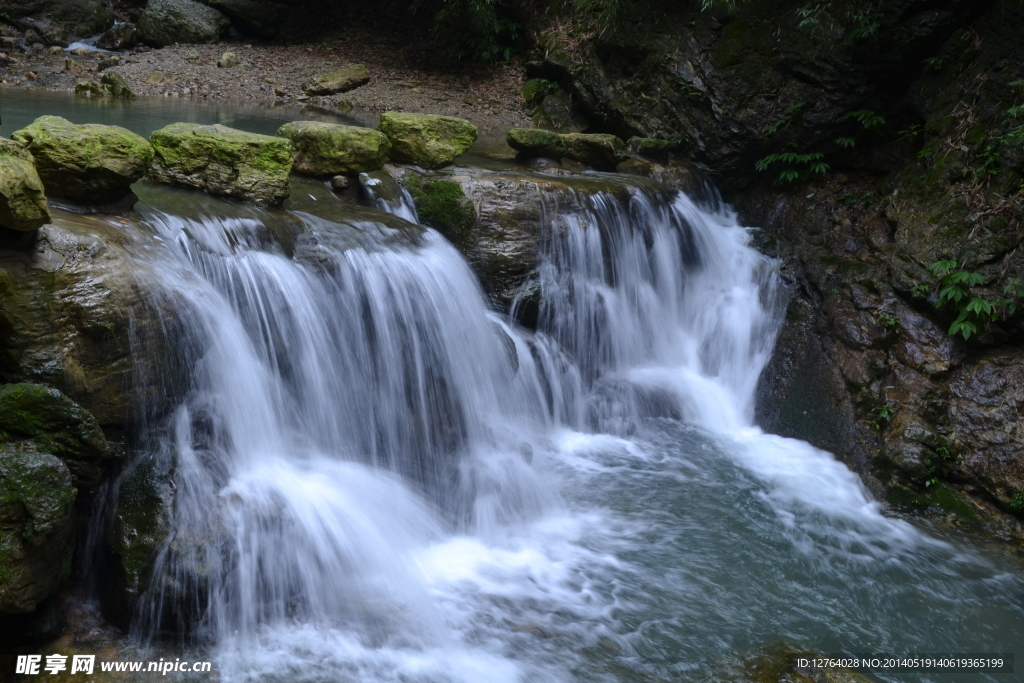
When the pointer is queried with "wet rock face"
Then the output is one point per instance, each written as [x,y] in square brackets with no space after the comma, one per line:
[70,301]
[502,219]
[118,37]
[165,22]
[137,530]
[22,196]
[426,140]
[91,163]
[327,149]
[223,161]
[933,417]
[41,419]
[36,529]
[716,82]
[57,22]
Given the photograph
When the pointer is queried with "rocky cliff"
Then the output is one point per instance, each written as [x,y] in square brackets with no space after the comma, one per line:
[879,146]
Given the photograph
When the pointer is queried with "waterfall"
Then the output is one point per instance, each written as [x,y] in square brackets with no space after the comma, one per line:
[361,438]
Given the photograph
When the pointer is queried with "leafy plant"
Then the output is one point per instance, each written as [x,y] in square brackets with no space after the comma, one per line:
[1017,502]
[845,142]
[910,133]
[882,414]
[972,312]
[475,30]
[888,322]
[797,166]
[937,63]
[792,113]
[866,23]
[809,16]
[866,118]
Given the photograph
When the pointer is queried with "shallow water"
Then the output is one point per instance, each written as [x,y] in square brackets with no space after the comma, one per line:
[389,482]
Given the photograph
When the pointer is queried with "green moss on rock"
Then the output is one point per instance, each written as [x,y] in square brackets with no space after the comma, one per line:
[442,204]
[648,148]
[139,528]
[36,529]
[327,149]
[426,140]
[536,142]
[55,422]
[223,161]
[536,89]
[111,85]
[602,151]
[22,197]
[89,163]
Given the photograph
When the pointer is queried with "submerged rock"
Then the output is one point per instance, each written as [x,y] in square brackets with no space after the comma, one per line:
[426,140]
[223,161]
[88,163]
[36,529]
[341,80]
[536,142]
[602,151]
[22,197]
[329,149]
[165,22]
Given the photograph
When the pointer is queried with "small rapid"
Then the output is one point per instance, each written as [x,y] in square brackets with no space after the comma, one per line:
[378,478]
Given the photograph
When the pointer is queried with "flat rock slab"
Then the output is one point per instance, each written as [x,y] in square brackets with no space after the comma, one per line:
[223,161]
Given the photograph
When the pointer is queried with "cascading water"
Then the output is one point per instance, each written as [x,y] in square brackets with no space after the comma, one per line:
[379,479]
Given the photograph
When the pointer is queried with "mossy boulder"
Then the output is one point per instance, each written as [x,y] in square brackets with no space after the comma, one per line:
[340,80]
[442,204]
[42,419]
[36,529]
[426,140]
[89,163]
[223,161]
[536,142]
[602,151]
[327,149]
[649,148]
[111,85]
[22,197]
[165,22]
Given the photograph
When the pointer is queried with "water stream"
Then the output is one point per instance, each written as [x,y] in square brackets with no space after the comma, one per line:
[380,479]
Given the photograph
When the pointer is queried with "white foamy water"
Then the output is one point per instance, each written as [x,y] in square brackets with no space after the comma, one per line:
[379,479]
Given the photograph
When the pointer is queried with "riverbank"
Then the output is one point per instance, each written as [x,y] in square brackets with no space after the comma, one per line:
[487,95]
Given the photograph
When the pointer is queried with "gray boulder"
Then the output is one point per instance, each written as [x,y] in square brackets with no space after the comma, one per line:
[118,37]
[341,80]
[165,22]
